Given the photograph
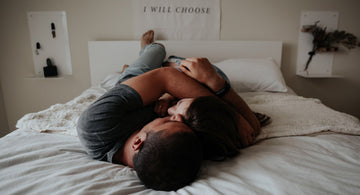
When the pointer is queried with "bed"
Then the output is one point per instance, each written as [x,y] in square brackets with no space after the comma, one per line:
[308,148]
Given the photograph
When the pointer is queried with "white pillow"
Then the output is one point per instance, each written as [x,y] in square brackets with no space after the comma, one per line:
[253,74]
[110,81]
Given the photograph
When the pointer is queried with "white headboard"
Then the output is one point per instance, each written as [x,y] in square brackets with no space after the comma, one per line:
[107,57]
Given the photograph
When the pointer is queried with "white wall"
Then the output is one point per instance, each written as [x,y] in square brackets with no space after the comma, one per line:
[90,20]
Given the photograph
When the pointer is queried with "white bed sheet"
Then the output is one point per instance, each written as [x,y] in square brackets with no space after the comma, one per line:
[42,163]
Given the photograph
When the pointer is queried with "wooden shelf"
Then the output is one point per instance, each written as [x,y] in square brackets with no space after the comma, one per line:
[305,75]
[321,63]
[40,77]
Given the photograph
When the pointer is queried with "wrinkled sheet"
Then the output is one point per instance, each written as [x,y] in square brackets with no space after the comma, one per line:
[40,163]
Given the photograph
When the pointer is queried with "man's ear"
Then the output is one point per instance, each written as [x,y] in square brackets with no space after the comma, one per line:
[137,143]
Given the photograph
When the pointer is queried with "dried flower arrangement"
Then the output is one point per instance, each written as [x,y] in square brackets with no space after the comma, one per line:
[328,41]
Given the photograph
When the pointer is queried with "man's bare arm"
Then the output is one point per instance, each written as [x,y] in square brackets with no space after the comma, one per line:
[153,84]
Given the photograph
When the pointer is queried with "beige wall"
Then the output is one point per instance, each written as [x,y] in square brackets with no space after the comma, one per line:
[4,127]
[90,20]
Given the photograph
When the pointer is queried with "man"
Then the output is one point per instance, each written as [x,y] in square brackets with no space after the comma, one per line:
[119,127]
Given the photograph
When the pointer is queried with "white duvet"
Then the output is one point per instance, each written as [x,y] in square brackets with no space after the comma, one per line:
[296,160]
[42,163]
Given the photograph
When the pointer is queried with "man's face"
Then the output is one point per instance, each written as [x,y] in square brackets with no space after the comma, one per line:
[170,125]
[180,107]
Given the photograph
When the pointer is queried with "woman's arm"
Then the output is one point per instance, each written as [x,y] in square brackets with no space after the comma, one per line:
[202,70]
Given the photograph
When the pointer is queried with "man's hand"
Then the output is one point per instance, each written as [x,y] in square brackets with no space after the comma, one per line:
[203,71]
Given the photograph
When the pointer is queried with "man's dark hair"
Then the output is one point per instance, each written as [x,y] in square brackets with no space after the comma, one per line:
[168,162]
[215,123]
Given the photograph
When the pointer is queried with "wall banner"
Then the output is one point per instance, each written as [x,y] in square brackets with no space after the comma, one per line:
[178,19]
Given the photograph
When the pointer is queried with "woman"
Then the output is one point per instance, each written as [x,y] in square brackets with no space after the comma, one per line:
[222,129]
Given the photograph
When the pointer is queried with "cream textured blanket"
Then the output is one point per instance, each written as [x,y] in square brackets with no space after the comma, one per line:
[291,115]
[60,118]
[295,115]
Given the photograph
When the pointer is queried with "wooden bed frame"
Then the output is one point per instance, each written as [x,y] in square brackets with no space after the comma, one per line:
[107,57]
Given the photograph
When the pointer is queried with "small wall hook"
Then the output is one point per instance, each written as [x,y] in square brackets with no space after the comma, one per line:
[53,30]
[38,46]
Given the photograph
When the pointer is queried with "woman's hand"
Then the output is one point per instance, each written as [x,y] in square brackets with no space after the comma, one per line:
[163,104]
[203,71]
[247,133]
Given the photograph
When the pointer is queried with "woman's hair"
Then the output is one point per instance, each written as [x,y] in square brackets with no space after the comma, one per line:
[168,162]
[215,124]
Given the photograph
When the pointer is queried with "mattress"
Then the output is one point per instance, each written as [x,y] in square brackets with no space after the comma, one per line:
[307,149]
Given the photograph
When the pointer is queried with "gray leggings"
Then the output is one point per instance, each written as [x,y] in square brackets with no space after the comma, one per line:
[150,58]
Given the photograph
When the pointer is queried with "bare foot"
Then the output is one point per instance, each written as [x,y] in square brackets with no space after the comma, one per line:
[147,38]
[124,67]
